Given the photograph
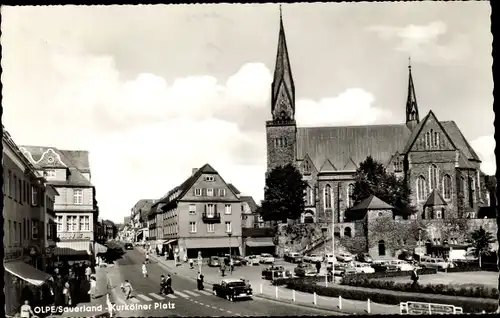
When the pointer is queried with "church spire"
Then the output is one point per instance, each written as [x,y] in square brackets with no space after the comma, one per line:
[283,88]
[412,118]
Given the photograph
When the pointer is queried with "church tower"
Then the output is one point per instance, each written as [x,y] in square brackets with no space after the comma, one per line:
[281,130]
[412,118]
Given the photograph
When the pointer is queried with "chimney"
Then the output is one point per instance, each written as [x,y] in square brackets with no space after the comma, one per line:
[194,170]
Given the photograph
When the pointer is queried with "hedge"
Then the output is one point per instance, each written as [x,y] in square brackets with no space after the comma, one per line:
[306,280]
[423,271]
[468,304]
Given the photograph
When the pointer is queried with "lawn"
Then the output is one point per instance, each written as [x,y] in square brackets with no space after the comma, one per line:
[489,279]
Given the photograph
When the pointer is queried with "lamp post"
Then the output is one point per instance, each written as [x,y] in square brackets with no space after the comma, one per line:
[229,235]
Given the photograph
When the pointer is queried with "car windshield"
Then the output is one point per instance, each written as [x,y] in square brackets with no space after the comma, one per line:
[214,258]
[266,255]
[236,284]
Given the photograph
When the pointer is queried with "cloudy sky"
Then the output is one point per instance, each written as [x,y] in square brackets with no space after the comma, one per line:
[153,91]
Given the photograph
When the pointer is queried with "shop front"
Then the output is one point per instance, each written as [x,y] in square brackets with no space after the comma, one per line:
[259,245]
[73,251]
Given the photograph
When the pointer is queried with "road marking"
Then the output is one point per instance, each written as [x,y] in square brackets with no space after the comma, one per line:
[221,309]
[191,293]
[229,311]
[207,305]
[134,300]
[171,296]
[146,298]
[156,296]
[180,294]
[204,292]
[213,307]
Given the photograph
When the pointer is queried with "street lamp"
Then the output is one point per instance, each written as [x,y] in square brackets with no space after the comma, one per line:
[229,234]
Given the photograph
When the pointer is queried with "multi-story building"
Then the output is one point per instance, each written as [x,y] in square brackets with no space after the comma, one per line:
[110,229]
[68,171]
[249,215]
[203,214]
[139,219]
[28,232]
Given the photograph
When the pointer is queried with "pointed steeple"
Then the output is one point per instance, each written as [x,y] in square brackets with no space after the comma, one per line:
[283,88]
[412,118]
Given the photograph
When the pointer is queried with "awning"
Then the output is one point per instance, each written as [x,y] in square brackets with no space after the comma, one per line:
[72,248]
[99,248]
[211,242]
[260,242]
[160,242]
[26,272]
[169,241]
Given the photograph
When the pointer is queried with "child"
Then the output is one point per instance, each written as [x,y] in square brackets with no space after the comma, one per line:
[144,270]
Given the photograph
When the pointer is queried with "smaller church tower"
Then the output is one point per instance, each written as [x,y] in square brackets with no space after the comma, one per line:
[281,130]
[412,118]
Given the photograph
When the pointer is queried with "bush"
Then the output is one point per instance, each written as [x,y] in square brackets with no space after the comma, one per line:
[469,305]
[424,271]
[305,280]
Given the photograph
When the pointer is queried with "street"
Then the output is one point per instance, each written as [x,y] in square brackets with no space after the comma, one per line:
[187,300]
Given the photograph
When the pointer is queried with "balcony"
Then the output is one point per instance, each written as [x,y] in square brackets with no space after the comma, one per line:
[211,217]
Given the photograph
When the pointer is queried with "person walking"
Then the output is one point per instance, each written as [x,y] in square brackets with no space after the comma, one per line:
[318,267]
[168,283]
[147,256]
[199,280]
[67,295]
[93,286]
[162,284]
[231,265]
[191,263]
[414,278]
[144,270]
[26,311]
[222,268]
[88,272]
[127,289]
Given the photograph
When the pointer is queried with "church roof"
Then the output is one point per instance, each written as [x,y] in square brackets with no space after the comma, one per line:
[356,143]
[434,199]
[371,203]
[327,167]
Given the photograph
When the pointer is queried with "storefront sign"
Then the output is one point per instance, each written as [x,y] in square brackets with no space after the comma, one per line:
[75,235]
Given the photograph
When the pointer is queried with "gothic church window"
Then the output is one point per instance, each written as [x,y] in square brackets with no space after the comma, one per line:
[350,191]
[328,196]
[471,192]
[307,167]
[464,186]
[436,139]
[421,188]
[447,187]
[427,139]
[310,196]
[284,142]
[381,248]
[397,164]
[433,177]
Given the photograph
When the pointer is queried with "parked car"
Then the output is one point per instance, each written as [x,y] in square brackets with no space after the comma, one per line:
[364,268]
[129,246]
[341,269]
[344,257]
[214,261]
[236,260]
[405,256]
[293,257]
[437,263]
[273,272]
[232,289]
[266,258]
[313,258]
[240,259]
[305,269]
[253,260]
[330,258]
[383,266]
[402,265]
[364,258]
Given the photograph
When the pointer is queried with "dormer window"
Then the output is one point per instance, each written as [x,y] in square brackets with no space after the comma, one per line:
[50,173]
[210,178]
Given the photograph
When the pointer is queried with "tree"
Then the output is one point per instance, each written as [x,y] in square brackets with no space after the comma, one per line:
[283,195]
[373,179]
[481,240]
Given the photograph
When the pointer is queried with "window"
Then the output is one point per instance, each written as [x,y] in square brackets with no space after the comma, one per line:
[10,231]
[210,178]
[307,167]
[421,188]
[381,248]
[14,194]
[210,210]
[433,177]
[397,165]
[85,223]
[192,209]
[77,196]
[210,227]
[59,222]
[328,196]
[34,230]
[438,214]
[228,227]
[447,187]
[192,227]
[197,192]
[471,192]
[222,192]
[210,192]
[427,140]
[72,224]
[20,190]
[34,196]
[309,196]
[436,139]
[347,232]
[464,186]
[50,173]
[350,191]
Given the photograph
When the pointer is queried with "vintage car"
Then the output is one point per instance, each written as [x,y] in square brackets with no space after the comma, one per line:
[436,263]
[236,260]
[214,261]
[364,258]
[341,269]
[232,289]
[344,257]
[402,265]
[384,266]
[313,258]
[273,272]
[305,269]
[253,260]
[266,258]
[293,257]
[363,268]
[129,246]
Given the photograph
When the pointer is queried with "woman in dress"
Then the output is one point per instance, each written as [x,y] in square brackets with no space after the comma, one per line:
[67,295]
[93,286]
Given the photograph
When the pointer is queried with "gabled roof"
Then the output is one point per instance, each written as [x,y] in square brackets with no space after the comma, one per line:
[434,199]
[74,178]
[233,188]
[339,144]
[250,201]
[371,203]
[350,165]
[141,203]
[327,167]
[459,140]
[79,158]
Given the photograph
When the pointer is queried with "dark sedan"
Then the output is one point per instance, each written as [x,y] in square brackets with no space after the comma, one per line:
[129,246]
[232,289]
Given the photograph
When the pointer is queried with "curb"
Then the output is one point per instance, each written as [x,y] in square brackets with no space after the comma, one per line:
[259,296]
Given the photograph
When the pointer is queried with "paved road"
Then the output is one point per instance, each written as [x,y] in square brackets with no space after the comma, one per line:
[187,300]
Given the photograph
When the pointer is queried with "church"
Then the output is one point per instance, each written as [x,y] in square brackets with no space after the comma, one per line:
[433,156]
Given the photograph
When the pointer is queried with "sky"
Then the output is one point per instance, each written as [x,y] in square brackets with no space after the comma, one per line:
[154,91]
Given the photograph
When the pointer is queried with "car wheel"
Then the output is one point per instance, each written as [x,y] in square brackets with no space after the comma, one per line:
[215,293]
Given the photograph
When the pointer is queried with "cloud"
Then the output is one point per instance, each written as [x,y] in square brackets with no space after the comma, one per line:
[422,42]
[485,149]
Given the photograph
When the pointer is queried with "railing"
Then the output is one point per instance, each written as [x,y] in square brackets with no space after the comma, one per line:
[211,217]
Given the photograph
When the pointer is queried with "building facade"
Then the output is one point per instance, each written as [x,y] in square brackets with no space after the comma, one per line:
[75,206]
[139,219]
[432,155]
[203,214]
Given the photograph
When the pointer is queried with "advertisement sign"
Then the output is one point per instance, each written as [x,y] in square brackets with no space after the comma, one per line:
[75,236]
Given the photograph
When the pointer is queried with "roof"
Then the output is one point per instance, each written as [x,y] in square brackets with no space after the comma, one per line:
[233,188]
[146,208]
[250,201]
[141,203]
[434,199]
[74,178]
[231,280]
[80,158]
[372,203]
[322,143]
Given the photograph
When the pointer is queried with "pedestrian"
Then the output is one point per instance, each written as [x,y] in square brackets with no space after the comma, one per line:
[199,280]
[318,267]
[191,263]
[93,286]
[222,268]
[169,284]
[147,257]
[414,278]
[144,270]
[26,311]
[231,264]
[162,284]
[67,295]
[88,272]
[127,289]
